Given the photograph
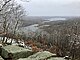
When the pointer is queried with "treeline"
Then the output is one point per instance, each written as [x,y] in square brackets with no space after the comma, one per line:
[65,35]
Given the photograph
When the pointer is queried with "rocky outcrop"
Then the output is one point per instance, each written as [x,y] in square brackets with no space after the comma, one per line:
[19,53]
[44,55]
[15,51]
[40,56]
[56,58]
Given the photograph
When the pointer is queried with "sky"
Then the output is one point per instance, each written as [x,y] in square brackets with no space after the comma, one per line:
[52,7]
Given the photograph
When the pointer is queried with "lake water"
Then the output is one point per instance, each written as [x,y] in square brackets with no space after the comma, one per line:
[54,19]
[34,27]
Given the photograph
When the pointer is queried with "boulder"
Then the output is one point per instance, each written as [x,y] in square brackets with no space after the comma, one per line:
[56,58]
[39,56]
[16,52]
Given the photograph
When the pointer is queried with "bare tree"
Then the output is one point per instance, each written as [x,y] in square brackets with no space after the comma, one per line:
[11,14]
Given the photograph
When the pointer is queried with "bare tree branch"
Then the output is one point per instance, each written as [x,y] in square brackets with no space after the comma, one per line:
[5,4]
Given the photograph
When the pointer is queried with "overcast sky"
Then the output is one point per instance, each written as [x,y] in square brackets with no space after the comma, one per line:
[53,7]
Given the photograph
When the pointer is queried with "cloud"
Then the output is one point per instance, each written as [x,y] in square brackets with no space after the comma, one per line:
[53,7]
[75,4]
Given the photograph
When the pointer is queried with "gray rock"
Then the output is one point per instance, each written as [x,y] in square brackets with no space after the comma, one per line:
[56,58]
[39,56]
[17,52]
